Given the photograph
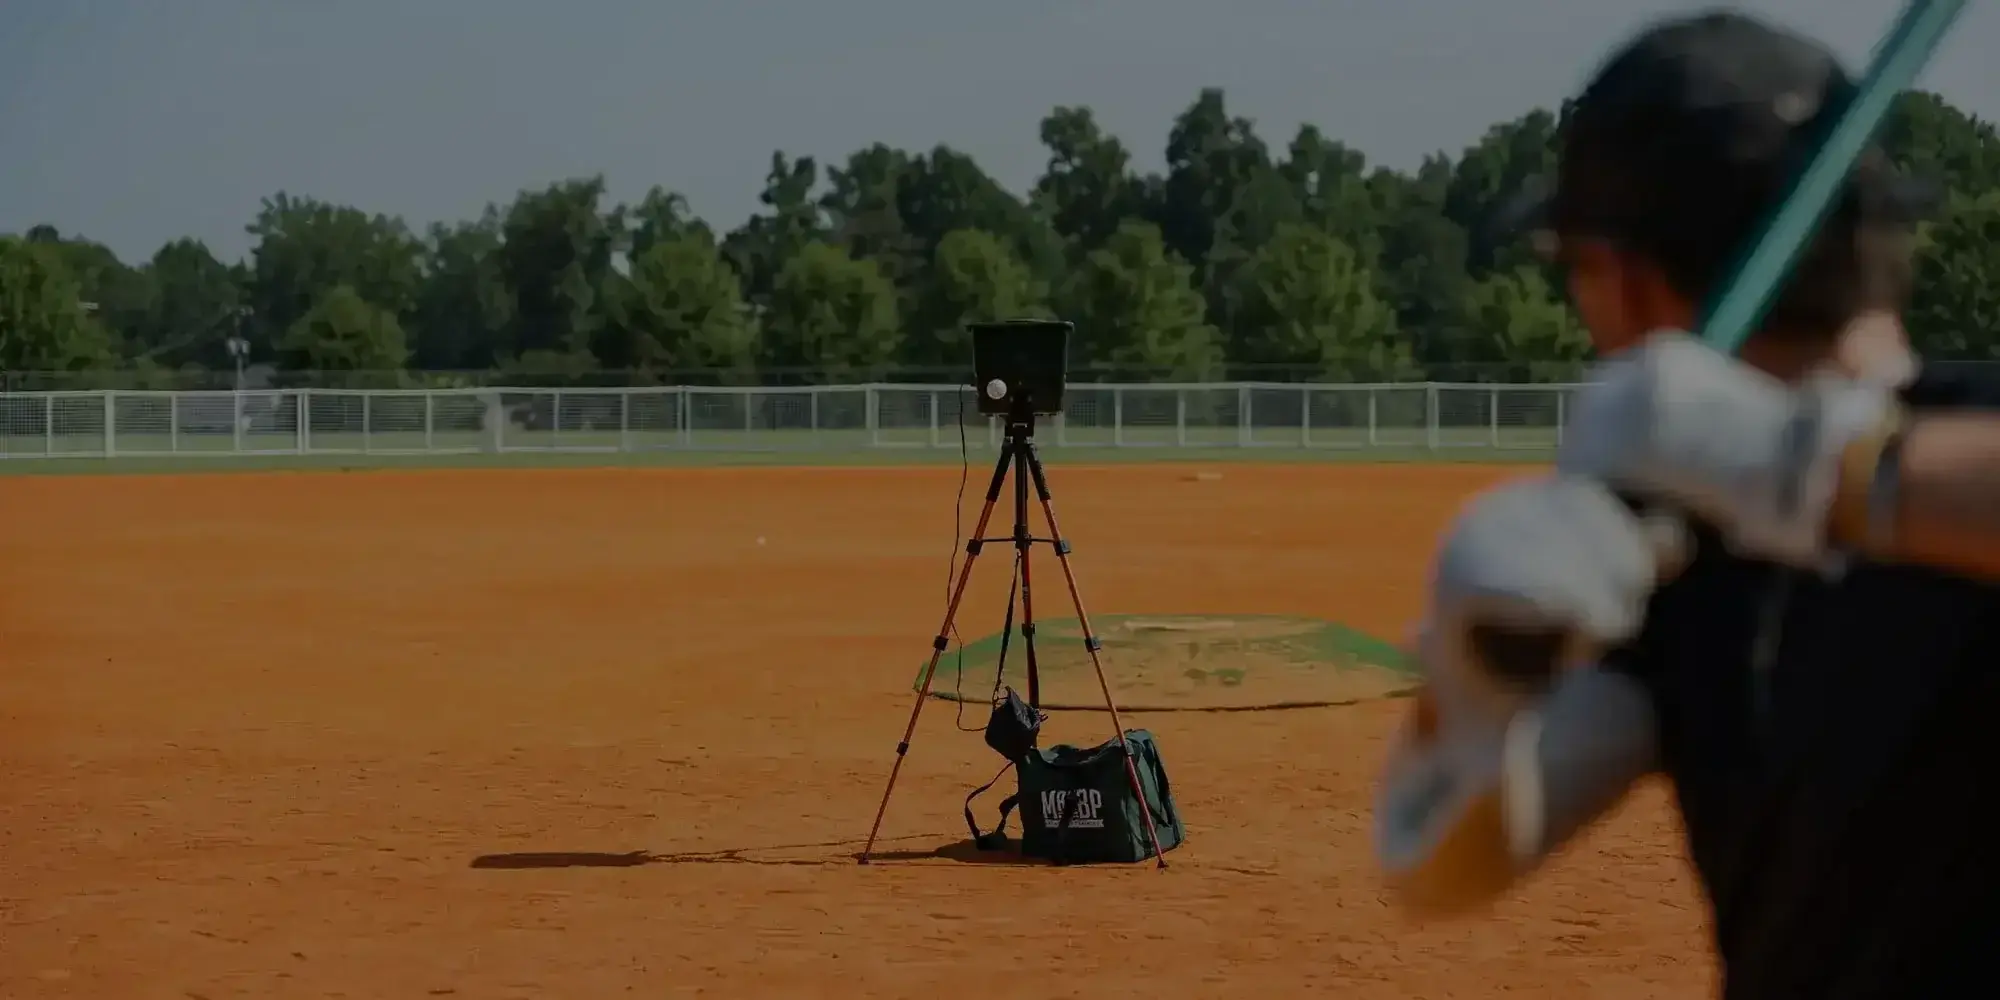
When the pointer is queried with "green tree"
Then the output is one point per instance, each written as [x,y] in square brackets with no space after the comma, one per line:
[863,212]
[1955,312]
[663,216]
[556,254]
[681,308]
[1208,155]
[1422,269]
[1522,330]
[832,314]
[974,278]
[792,219]
[305,248]
[1330,183]
[44,323]
[344,332]
[1235,252]
[118,296]
[1498,166]
[945,191]
[1087,190]
[1308,300]
[464,307]
[196,305]
[1136,308]
[1928,137]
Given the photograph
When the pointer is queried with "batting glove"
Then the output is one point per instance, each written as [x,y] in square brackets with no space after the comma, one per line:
[1676,420]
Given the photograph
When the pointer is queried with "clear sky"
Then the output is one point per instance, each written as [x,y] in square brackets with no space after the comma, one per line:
[136,121]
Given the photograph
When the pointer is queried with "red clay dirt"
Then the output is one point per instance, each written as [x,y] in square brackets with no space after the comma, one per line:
[258,730]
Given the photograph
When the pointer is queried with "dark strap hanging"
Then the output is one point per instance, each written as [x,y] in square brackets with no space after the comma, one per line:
[997,839]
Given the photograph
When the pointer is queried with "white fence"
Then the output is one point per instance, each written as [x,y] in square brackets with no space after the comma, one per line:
[1403,418]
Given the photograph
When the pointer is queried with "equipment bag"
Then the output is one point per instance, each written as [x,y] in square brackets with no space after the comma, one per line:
[1077,804]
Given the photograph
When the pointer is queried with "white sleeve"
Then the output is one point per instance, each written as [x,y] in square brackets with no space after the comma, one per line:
[1462,814]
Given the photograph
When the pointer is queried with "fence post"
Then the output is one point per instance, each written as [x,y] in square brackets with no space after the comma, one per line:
[1431,416]
[1305,418]
[1493,415]
[625,418]
[1243,417]
[495,406]
[110,423]
[1118,416]
[869,418]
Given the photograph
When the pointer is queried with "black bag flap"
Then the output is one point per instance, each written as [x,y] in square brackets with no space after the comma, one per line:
[1014,727]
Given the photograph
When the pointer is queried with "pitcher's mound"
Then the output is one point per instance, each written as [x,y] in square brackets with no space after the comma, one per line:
[1185,663]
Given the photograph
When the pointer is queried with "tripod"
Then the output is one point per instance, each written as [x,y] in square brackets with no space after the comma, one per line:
[1017,450]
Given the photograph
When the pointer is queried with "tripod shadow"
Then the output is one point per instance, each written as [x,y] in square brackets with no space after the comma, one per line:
[965,852]
[563,859]
[719,856]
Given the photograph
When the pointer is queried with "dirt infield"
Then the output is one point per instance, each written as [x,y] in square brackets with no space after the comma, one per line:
[579,734]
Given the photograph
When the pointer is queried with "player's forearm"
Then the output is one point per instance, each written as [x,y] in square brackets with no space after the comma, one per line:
[1943,507]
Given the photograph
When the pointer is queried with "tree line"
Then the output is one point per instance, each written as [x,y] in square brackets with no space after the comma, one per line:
[1242,259]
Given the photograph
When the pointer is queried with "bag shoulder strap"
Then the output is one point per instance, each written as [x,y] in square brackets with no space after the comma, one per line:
[997,839]
[1151,754]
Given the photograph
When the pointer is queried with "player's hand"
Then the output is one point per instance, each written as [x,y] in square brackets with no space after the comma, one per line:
[1533,579]
[1472,796]
[1676,420]
[1542,572]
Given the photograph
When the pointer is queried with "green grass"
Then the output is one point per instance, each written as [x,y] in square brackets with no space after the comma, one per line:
[152,453]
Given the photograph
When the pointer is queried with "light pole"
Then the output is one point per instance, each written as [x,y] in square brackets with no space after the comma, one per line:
[239,349]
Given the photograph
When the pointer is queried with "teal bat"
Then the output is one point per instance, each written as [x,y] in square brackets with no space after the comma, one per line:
[1747,295]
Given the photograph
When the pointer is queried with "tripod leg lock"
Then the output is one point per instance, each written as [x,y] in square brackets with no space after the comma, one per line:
[1093,643]
[940,643]
[1062,546]
[973,545]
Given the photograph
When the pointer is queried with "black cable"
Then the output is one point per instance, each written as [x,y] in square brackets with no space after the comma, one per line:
[951,574]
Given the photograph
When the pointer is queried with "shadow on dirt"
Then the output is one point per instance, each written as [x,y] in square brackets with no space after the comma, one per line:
[563,859]
[963,852]
[724,856]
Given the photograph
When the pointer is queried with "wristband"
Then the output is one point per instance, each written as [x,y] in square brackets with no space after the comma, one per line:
[1885,494]
[1865,501]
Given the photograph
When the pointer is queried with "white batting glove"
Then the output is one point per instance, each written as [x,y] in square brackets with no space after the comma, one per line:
[1490,774]
[1469,803]
[1558,553]
[1760,459]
